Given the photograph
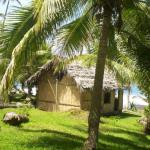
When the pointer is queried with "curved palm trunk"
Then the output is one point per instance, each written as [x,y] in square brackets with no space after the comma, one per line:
[96,103]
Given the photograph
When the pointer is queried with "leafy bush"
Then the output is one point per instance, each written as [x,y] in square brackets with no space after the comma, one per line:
[132,106]
[147,114]
[17,96]
[147,111]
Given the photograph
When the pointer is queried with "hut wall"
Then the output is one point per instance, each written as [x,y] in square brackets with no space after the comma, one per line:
[109,107]
[56,95]
[1,102]
[68,94]
[46,93]
[63,95]
[86,97]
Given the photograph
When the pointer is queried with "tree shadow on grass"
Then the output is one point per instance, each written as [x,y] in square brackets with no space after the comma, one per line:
[109,140]
[55,140]
[53,132]
[139,136]
[119,139]
[127,115]
[120,143]
[55,143]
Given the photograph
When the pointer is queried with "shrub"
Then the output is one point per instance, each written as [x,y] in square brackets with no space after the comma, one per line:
[147,114]
[147,111]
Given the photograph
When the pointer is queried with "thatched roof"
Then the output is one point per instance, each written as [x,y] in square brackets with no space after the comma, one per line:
[83,76]
[33,80]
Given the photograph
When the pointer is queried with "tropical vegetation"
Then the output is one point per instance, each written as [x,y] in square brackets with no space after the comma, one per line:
[72,25]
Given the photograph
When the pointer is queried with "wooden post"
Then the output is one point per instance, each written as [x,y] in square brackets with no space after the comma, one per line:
[56,95]
[129,94]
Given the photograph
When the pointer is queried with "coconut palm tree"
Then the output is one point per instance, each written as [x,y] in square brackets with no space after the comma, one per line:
[139,49]
[136,42]
[46,17]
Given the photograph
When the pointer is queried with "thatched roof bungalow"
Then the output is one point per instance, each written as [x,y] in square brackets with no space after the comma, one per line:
[72,88]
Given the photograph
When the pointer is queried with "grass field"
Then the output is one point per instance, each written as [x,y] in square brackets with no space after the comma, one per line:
[67,131]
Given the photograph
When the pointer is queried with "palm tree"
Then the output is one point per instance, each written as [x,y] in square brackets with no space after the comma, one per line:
[136,42]
[49,16]
[31,64]
[140,50]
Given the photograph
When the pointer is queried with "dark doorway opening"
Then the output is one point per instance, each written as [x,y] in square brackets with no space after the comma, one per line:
[116,105]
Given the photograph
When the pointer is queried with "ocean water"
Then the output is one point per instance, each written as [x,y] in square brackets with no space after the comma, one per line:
[136,97]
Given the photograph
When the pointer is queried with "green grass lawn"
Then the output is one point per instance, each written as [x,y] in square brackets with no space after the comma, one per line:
[67,131]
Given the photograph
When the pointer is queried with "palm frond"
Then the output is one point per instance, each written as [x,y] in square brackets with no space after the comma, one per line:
[3,65]
[46,21]
[123,74]
[139,50]
[7,78]
[74,36]
[56,10]
[17,24]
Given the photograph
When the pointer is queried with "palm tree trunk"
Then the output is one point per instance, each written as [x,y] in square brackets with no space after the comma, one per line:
[96,103]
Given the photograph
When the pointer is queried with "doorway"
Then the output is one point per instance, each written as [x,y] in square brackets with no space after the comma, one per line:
[116,104]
